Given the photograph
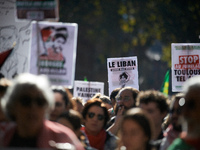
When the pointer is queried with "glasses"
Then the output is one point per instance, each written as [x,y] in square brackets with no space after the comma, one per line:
[125,99]
[27,101]
[99,116]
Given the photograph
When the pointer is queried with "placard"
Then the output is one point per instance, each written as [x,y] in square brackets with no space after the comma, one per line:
[185,63]
[86,90]
[53,51]
[122,72]
[37,9]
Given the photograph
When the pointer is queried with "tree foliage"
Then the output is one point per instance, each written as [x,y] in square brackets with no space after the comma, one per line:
[123,28]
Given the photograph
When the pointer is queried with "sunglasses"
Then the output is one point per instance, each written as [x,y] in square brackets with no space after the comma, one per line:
[125,99]
[27,101]
[99,117]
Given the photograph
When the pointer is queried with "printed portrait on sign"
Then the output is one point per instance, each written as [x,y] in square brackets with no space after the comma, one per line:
[123,79]
[54,40]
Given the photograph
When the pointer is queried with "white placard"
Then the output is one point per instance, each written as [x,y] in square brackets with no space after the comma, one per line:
[14,35]
[53,51]
[122,72]
[87,90]
[185,63]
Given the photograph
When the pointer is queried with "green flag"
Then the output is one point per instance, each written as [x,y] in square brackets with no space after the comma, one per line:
[165,85]
[85,78]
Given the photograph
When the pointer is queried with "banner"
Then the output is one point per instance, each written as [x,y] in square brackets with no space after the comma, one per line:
[86,90]
[185,63]
[37,9]
[53,51]
[14,42]
[122,72]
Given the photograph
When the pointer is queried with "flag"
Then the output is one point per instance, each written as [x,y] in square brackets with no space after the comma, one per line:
[165,84]
[85,78]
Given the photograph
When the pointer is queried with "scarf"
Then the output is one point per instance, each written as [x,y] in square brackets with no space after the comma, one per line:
[96,141]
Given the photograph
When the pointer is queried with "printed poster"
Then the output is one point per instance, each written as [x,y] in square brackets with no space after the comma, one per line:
[185,63]
[86,90]
[37,9]
[14,41]
[122,72]
[53,51]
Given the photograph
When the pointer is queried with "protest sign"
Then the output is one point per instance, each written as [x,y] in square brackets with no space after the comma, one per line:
[14,42]
[185,63]
[122,72]
[53,51]
[37,9]
[86,90]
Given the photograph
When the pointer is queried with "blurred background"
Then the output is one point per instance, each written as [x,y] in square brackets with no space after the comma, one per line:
[122,28]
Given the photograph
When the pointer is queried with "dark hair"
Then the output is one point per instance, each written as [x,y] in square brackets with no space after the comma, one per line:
[114,93]
[96,102]
[73,117]
[134,93]
[154,96]
[141,117]
[63,92]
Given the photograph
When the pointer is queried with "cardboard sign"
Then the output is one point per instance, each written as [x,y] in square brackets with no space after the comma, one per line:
[14,42]
[122,72]
[53,51]
[185,63]
[86,90]
[37,9]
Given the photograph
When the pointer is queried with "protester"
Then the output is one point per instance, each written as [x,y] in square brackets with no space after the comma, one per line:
[113,94]
[156,104]
[126,99]
[28,102]
[173,122]
[95,116]
[78,104]
[135,130]
[62,102]
[73,120]
[190,137]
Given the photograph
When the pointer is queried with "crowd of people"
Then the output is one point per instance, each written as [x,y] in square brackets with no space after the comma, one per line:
[36,115]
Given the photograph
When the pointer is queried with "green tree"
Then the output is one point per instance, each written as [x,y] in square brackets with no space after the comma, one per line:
[130,28]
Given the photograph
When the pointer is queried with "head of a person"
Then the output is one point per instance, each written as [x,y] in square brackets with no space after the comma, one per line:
[61,99]
[113,95]
[126,97]
[106,100]
[28,101]
[71,119]
[78,104]
[191,103]
[175,111]
[155,103]
[95,116]
[136,129]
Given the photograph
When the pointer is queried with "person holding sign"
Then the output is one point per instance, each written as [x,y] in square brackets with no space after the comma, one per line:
[126,99]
